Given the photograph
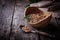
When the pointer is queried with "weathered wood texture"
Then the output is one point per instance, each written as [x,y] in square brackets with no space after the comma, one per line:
[1,21]
[12,16]
[6,18]
[19,20]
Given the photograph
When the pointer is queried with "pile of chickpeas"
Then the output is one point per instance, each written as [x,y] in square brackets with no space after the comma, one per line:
[36,17]
[26,29]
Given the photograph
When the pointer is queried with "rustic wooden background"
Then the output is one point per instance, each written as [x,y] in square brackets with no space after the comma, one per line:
[12,16]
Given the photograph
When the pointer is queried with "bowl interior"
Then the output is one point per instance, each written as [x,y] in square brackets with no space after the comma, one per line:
[34,10]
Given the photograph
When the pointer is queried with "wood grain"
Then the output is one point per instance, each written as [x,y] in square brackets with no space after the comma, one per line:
[7,12]
[12,16]
[19,20]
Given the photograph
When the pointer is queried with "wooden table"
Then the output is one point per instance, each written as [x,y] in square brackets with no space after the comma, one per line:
[12,16]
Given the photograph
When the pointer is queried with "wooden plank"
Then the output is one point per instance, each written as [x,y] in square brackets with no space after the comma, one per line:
[27,36]
[7,12]
[56,18]
[18,20]
[1,31]
[58,22]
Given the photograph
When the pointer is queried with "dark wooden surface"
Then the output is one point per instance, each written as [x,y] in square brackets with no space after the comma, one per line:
[6,19]
[12,16]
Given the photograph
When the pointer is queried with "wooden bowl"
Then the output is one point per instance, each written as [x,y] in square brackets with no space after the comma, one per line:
[42,23]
